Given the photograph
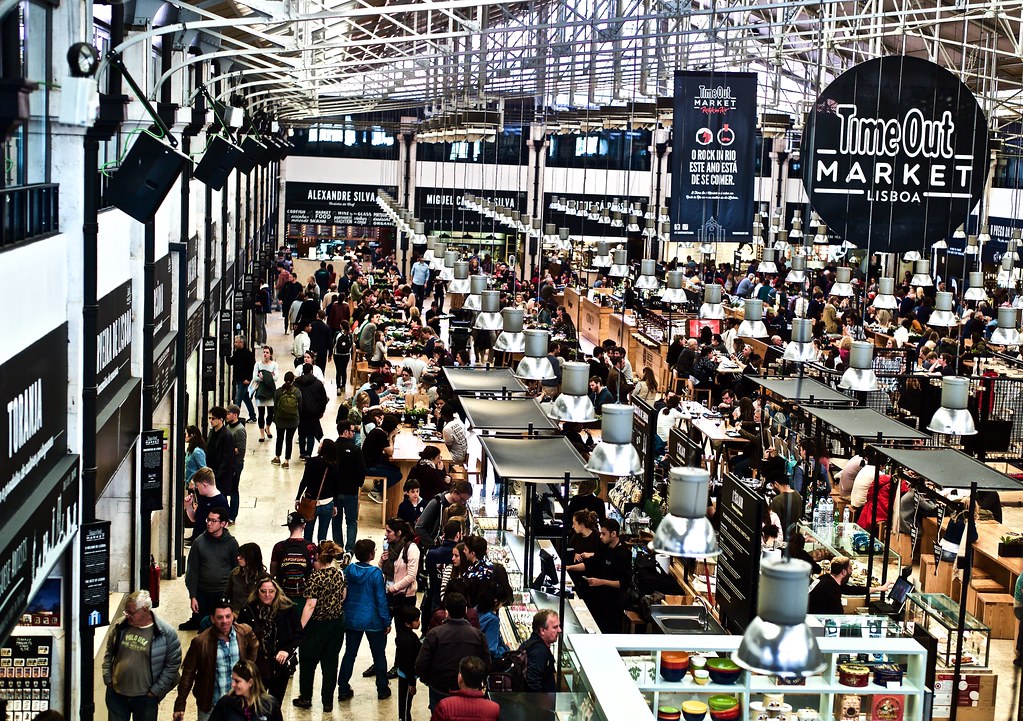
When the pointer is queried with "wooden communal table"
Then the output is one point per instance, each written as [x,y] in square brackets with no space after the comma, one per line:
[715,430]
[407,446]
[620,329]
[1002,569]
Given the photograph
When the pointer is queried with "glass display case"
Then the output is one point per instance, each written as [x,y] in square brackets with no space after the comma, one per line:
[938,614]
[860,626]
[662,326]
[848,539]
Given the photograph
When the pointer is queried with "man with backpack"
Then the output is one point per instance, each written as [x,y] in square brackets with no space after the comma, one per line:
[310,410]
[428,525]
[343,346]
[291,560]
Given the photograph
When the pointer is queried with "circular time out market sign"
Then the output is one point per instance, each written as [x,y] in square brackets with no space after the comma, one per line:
[895,154]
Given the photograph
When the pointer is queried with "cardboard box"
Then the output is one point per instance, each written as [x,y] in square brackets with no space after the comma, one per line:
[976,700]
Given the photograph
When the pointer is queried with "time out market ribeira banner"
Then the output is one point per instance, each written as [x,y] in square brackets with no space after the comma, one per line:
[896,154]
[713,156]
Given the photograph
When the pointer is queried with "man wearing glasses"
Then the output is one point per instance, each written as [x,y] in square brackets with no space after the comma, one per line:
[141,662]
[213,556]
[206,673]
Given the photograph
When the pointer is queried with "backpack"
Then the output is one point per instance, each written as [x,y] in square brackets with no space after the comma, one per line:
[266,388]
[508,673]
[287,406]
[343,344]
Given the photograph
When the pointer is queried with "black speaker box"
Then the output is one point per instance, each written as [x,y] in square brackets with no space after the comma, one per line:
[145,177]
[217,163]
[247,160]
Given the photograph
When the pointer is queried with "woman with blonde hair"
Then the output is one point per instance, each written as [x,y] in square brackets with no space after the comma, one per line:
[275,621]
[646,390]
[248,699]
[323,621]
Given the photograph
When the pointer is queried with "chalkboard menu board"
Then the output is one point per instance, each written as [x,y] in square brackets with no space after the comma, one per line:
[25,665]
[738,571]
[334,204]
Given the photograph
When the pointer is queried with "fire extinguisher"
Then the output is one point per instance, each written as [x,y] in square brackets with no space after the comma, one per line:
[154,581]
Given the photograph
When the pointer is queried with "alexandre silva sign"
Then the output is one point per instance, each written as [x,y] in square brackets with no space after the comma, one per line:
[896,153]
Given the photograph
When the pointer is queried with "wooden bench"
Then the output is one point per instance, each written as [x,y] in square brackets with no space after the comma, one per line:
[995,611]
[942,583]
[978,584]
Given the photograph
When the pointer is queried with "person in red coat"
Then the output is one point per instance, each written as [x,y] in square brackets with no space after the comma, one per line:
[883,488]
[468,702]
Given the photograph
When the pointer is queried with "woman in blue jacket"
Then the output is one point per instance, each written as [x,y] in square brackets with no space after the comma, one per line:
[366,613]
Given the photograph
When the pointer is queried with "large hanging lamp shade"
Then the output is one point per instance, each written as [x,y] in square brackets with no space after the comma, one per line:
[573,404]
[1007,332]
[477,284]
[885,298]
[921,274]
[953,417]
[686,531]
[942,315]
[673,293]
[447,272]
[779,642]
[439,249]
[859,376]
[619,264]
[752,325]
[1007,273]
[801,348]
[535,366]
[647,279]
[797,269]
[842,287]
[614,455]
[712,307]
[511,339]
[976,290]
[460,283]
[489,317]
[602,255]
[767,265]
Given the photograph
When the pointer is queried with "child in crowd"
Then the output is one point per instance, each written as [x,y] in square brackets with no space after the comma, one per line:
[412,507]
[407,644]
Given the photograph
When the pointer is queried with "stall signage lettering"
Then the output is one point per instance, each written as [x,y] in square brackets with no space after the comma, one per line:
[896,152]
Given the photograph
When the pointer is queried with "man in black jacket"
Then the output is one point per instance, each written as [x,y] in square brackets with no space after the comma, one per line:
[242,361]
[428,525]
[444,648]
[310,410]
[352,468]
[321,339]
[540,668]
[220,455]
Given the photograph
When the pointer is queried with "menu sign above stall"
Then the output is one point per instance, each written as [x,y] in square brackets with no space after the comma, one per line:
[713,156]
[739,562]
[334,204]
[162,296]
[896,153]
[113,344]
[442,208]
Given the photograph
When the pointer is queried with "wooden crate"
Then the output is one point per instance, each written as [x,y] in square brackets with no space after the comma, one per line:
[942,583]
[995,610]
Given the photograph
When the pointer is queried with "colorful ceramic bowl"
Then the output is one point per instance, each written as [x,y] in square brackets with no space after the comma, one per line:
[697,661]
[723,670]
[668,713]
[674,665]
[722,702]
[694,710]
[729,715]
[701,676]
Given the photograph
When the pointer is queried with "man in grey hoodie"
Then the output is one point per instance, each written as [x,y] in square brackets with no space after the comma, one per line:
[212,557]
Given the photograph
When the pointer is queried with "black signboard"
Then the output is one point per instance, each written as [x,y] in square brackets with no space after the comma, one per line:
[26,667]
[95,604]
[739,562]
[895,153]
[33,423]
[248,284]
[193,327]
[209,363]
[193,268]
[442,209]
[115,325]
[33,542]
[164,369]
[213,262]
[162,296]
[151,445]
[226,332]
[713,156]
[335,204]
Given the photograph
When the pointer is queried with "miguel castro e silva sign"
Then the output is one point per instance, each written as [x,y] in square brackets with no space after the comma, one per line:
[895,154]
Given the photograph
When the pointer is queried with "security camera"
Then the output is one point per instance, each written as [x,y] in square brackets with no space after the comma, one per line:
[79,101]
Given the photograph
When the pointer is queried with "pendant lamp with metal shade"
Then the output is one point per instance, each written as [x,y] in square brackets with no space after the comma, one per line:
[912,256]
[673,293]
[647,279]
[921,274]
[752,325]
[712,308]
[779,642]
[972,245]
[477,284]
[573,404]
[460,282]
[953,418]
[885,298]
[1007,273]
[428,255]
[1007,332]
[489,317]
[619,264]
[615,455]
[942,315]
[686,531]
[781,240]
[511,339]
[797,269]
[535,366]
[860,376]
[976,290]
[602,255]
[842,287]
[767,264]
[447,272]
[564,242]
[801,348]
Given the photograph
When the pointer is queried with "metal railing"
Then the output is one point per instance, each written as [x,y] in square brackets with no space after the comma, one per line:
[29,212]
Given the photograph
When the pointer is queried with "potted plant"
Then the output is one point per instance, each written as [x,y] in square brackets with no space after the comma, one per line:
[1011,545]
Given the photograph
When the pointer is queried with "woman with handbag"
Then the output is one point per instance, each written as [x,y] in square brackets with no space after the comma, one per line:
[316,492]
[275,621]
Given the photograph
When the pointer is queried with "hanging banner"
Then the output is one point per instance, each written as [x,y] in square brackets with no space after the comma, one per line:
[713,157]
[896,154]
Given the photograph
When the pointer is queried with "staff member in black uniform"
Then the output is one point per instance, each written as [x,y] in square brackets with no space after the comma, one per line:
[609,575]
[826,595]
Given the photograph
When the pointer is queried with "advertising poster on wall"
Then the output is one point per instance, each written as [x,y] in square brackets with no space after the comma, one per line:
[713,157]
[895,153]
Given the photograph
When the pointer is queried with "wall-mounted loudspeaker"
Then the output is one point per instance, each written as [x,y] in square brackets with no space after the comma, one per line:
[145,177]
[217,163]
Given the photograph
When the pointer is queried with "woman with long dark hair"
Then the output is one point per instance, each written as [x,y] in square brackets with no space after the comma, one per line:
[320,479]
[241,582]
[275,621]
[429,471]
[248,699]
[323,620]
[195,451]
